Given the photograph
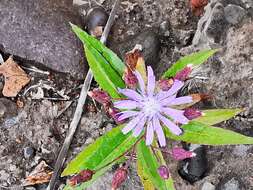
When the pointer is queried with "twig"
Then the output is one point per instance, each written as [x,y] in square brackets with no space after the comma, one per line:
[79,109]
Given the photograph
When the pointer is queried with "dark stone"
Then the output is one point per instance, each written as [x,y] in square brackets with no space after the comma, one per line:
[39,32]
[150,43]
[97,16]
[29,152]
[193,169]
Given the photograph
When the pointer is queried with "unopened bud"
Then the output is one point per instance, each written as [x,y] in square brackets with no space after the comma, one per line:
[164,172]
[83,176]
[130,79]
[183,74]
[114,113]
[119,177]
[165,84]
[192,113]
[181,154]
[100,96]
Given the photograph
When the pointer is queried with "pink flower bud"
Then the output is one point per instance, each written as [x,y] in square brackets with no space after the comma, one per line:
[183,74]
[164,172]
[165,84]
[192,113]
[119,177]
[100,96]
[114,113]
[181,154]
[130,79]
[83,176]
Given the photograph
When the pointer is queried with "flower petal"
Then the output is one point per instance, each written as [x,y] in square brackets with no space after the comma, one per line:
[140,81]
[127,104]
[132,123]
[159,131]
[131,94]
[150,133]
[181,100]
[126,114]
[139,127]
[172,126]
[177,85]
[168,100]
[176,115]
[151,81]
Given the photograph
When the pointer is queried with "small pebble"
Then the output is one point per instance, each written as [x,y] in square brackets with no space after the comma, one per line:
[29,152]
[96,20]
[234,14]
[208,186]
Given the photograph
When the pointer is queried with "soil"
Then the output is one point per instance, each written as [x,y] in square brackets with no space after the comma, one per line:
[38,125]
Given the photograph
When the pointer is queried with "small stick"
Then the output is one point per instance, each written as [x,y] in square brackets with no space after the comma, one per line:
[79,109]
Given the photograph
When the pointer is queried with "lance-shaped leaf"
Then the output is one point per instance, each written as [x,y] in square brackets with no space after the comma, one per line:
[194,59]
[200,133]
[146,182]
[150,165]
[100,153]
[214,116]
[104,74]
[108,54]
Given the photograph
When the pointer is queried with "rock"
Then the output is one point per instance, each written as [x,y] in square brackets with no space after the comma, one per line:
[234,14]
[150,43]
[39,33]
[29,152]
[96,21]
[232,84]
[194,169]
[208,186]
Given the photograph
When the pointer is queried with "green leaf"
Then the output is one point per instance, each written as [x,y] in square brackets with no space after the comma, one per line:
[108,54]
[150,165]
[103,151]
[200,133]
[195,59]
[102,66]
[146,182]
[105,76]
[214,116]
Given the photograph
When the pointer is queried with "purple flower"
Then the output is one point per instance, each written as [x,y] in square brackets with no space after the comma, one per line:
[164,172]
[151,108]
[181,154]
[192,113]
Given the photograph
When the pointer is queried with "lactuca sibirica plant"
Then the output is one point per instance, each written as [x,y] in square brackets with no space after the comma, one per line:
[147,112]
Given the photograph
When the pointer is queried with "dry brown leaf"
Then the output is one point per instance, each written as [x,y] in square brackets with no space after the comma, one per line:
[41,174]
[15,78]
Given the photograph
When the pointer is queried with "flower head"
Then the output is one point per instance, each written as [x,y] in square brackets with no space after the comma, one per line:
[181,154]
[164,172]
[119,177]
[150,107]
[83,176]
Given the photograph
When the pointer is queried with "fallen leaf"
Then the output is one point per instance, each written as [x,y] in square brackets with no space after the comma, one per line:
[15,78]
[41,174]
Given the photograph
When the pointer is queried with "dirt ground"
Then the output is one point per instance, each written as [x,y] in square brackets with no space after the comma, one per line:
[35,131]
